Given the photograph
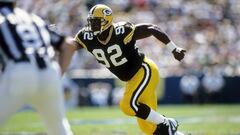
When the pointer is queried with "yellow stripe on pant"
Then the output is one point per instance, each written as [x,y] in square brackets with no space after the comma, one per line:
[142,89]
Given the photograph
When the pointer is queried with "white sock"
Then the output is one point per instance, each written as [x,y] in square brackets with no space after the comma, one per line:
[155,117]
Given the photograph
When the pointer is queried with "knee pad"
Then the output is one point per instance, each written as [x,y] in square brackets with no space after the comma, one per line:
[143,111]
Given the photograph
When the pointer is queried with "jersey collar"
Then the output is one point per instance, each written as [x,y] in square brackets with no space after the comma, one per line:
[108,38]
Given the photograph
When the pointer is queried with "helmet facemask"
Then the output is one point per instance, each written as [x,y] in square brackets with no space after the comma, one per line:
[95,24]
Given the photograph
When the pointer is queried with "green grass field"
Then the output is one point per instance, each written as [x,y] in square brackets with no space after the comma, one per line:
[193,119]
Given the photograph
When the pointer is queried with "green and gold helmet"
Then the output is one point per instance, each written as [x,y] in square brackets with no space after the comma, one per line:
[99,18]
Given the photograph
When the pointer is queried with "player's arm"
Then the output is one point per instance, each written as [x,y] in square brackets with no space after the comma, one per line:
[66,46]
[66,51]
[145,30]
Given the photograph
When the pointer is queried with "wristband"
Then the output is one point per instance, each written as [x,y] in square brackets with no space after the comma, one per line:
[171,45]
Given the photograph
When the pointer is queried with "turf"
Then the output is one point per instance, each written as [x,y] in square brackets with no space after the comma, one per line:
[194,120]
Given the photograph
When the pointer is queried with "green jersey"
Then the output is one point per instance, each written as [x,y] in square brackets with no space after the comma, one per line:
[118,53]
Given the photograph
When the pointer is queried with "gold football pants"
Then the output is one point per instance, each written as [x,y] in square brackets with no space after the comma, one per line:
[142,89]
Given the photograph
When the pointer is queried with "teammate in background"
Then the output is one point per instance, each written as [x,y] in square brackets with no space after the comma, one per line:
[113,45]
[30,76]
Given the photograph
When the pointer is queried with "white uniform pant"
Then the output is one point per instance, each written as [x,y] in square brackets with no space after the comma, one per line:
[23,83]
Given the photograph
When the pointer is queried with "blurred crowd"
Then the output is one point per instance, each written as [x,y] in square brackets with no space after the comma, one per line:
[208,29]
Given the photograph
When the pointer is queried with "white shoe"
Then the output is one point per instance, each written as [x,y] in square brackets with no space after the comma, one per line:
[172,126]
[168,127]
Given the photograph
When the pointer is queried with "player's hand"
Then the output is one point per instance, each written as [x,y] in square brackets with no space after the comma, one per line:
[179,53]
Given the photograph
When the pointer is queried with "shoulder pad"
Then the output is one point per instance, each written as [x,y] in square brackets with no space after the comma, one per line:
[81,31]
[125,24]
[82,36]
[126,29]
[120,23]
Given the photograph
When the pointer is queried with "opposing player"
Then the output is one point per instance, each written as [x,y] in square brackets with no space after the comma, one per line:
[113,45]
[30,76]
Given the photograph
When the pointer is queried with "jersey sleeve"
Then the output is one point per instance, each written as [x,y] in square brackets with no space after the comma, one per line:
[129,31]
[79,39]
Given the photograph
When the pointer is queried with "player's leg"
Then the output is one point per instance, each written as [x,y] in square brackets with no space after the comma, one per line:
[140,98]
[12,90]
[149,98]
[9,103]
[49,102]
[159,124]
[135,89]
[52,112]
[137,86]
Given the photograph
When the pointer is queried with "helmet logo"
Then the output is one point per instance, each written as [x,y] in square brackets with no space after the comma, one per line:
[107,12]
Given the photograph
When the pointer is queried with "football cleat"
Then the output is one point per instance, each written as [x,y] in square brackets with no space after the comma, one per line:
[168,127]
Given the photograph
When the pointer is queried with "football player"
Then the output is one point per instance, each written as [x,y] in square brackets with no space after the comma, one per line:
[30,75]
[113,45]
